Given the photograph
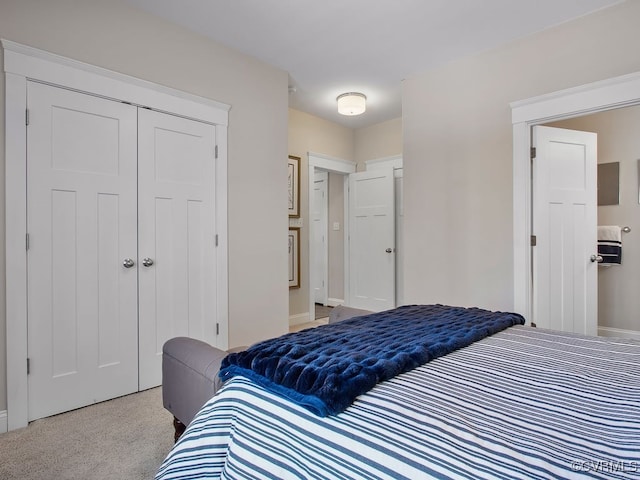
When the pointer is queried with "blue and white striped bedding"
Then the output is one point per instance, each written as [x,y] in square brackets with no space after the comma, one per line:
[523,403]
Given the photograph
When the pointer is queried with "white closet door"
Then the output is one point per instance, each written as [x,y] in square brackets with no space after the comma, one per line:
[176,201]
[372,240]
[81,220]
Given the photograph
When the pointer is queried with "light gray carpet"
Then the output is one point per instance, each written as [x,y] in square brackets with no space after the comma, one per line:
[322,311]
[125,438]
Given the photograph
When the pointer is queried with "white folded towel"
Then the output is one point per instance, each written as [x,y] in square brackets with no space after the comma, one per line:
[609,233]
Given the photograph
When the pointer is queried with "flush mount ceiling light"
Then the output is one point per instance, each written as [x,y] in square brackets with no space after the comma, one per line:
[352,103]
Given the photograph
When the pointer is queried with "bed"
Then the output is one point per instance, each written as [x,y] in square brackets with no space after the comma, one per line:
[521,402]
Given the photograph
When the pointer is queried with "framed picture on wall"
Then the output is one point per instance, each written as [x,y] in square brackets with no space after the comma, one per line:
[293,183]
[294,257]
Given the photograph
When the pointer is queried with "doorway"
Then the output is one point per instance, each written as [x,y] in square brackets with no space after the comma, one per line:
[333,252]
[340,171]
[583,100]
[618,147]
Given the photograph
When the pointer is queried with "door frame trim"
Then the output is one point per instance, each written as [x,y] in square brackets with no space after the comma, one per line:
[344,168]
[23,64]
[594,97]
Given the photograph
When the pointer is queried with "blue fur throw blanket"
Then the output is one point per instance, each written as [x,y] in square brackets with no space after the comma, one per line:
[324,369]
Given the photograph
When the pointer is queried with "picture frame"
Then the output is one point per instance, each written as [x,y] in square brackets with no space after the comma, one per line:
[294,257]
[293,184]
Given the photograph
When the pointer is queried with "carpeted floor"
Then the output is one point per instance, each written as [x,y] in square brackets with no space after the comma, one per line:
[122,439]
[322,311]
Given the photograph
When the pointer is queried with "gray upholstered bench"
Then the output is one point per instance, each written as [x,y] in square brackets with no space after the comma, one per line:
[189,377]
[341,312]
[190,372]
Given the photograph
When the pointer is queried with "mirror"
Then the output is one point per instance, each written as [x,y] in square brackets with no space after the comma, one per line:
[609,183]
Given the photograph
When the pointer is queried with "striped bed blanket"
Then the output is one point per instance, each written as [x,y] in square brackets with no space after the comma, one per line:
[523,403]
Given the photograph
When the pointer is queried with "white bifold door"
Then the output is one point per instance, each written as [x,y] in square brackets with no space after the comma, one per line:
[121,222]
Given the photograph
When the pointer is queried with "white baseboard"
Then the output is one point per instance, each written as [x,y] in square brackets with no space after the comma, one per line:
[4,426]
[618,332]
[299,318]
[334,302]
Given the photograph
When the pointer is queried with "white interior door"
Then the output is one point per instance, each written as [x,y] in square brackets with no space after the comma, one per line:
[81,220]
[372,240]
[565,225]
[176,162]
[319,252]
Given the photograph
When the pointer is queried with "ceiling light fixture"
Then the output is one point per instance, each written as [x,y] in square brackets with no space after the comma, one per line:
[352,103]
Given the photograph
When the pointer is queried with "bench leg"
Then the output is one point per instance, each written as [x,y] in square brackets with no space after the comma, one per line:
[179,428]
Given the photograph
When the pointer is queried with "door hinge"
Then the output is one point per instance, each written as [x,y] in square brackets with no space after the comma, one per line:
[216,151]
[28,366]
[26,241]
[534,240]
[216,239]
[217,329]
[26,117]
[533,152]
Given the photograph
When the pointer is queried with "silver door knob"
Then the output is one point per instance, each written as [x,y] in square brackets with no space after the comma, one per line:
[128,263]
[147,262]
[388,250]
[597,258]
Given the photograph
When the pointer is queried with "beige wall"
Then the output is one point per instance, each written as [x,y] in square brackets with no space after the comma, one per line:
[378,141]
[458,151]
[308,133]
[110,34]
[618,141]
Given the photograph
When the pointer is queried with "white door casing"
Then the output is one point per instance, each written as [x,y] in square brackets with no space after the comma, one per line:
[22,63]
[372,240]
[399,199]
[81,184]
[320,252]
[177,264]
[564,223]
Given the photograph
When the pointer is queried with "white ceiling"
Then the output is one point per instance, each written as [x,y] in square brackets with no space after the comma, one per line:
[329,47]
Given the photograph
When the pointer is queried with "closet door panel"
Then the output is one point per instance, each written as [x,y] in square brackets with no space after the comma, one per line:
[81,220]
[176,192]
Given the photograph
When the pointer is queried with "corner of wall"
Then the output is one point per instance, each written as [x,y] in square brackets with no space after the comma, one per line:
[299,319]
[3,421]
